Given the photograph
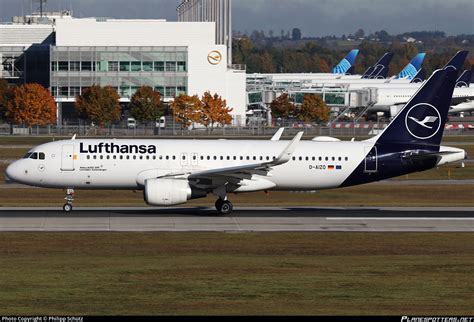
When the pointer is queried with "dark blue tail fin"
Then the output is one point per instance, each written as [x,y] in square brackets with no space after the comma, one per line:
[380,69]
[419,77]
[422,120]
[465,79]
[458,60]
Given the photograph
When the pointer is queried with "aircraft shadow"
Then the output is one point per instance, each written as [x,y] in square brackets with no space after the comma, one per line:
[200,212]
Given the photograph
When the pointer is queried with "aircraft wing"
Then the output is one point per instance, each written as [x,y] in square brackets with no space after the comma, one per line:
[238,173]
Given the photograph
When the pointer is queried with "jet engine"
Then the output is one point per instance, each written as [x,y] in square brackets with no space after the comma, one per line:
[167,192]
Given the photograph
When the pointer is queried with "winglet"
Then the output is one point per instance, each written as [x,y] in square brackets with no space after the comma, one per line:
[278,134]
[285,156]
[74,137]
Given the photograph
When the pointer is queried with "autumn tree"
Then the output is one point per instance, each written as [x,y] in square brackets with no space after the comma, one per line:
[185,109]
[282,107]
[313,109]
[99,105]
[214,111]
[145,105]
[30,104]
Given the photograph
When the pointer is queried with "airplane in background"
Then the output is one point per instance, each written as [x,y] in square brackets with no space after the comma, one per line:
[171,172]
[392,97]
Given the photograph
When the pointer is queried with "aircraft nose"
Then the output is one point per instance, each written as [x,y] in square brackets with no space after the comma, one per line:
[12,172]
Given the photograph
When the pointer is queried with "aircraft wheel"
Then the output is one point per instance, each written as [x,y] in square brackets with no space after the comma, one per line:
[218,204]
[226,207]
[67,207]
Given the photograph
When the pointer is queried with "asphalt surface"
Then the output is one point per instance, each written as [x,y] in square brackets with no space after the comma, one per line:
[242,220]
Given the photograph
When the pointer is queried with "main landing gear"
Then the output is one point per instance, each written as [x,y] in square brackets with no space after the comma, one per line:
[69,199]
[223,206]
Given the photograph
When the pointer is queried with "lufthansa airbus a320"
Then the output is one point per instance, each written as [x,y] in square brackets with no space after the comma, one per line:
[171,172]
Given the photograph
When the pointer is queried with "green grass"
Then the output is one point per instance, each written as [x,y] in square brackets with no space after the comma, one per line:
[368,195]
[243,274]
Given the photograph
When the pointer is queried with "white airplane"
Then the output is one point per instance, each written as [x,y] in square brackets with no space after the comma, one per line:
[171,172]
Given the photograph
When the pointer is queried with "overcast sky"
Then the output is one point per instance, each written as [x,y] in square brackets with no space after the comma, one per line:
[313,17]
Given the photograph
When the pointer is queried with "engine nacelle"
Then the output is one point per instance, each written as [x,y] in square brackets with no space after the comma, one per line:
[167,192]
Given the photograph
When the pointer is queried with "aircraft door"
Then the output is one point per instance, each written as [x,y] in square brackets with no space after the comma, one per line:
[67,159]
[371,159]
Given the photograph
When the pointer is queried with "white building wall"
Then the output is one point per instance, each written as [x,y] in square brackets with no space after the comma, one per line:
[199,37]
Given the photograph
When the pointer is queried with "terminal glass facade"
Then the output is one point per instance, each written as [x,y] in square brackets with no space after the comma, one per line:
[124,68]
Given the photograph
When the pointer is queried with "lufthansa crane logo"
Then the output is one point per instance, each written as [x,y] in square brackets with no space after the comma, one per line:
[423,121]
[214,57]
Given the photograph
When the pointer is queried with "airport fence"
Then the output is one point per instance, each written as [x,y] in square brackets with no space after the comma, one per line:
[332,129]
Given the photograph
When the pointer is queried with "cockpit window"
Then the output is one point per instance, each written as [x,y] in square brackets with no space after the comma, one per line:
[27,155]
[42,156]
[34,156]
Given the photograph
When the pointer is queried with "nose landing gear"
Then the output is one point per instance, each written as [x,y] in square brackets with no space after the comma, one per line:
[69,199]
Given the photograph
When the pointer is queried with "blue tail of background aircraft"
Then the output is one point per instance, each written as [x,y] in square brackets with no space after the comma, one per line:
[465,79]
[410,71]
[380,69]
[347,63]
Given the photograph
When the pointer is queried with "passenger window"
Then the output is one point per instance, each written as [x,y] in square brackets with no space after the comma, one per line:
[320,159]
[115,157]
[333,158]
[327,158]
[108,157]
[307,158]
[340,159]
[248,158]
[222,158]
[121,157]
[95,157]
[235,158]
[88,157]
[141,157]
[174,157]
[301,158]
[294,158]
[255,158]
[101,157]
[347,159]
[268,158]
[128,157]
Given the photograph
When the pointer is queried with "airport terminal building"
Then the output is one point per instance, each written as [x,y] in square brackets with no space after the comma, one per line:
[67,55]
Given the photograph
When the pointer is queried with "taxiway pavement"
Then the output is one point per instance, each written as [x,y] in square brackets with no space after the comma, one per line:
[269,219]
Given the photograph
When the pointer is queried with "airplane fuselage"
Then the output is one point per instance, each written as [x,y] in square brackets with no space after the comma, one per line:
[126,164]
